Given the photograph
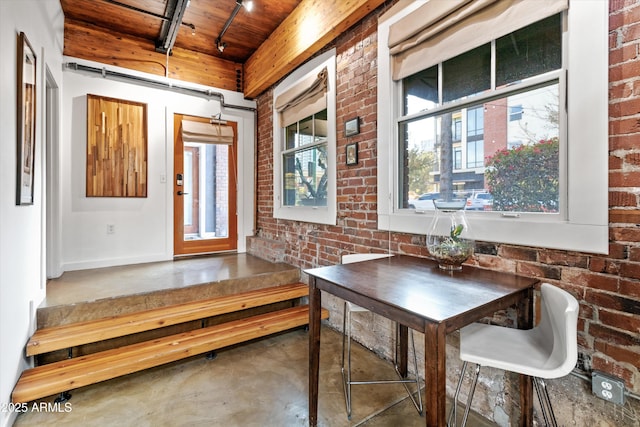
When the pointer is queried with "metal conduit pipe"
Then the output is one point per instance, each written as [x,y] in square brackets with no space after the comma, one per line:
[207,93]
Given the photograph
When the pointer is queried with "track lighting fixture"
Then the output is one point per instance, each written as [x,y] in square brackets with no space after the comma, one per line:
[248,4]
[169,30]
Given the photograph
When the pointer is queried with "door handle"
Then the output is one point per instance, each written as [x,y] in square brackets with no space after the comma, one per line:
[180,193]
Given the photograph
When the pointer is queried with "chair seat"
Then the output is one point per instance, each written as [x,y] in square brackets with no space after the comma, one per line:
[521,351]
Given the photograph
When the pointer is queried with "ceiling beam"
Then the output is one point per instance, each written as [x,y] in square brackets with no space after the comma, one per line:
[310,27]
[93,43]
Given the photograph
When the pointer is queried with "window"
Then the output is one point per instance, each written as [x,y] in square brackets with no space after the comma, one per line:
[457,158]
[475,137]
[456,127]
[506,69]
[526,64]
[515,113]
[304,143]
[304,160]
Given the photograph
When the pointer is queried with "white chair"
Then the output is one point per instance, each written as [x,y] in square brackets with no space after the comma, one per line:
[549,350]
[349,309]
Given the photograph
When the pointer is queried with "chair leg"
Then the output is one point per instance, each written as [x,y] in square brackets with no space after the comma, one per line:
[470,398]
[541,391]
[346,367]
[416,403]
[453,413]
[415,369]
[545,402]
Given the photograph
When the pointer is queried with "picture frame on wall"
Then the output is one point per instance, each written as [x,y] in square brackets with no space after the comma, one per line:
[352,127]
[352,154]
[26,120]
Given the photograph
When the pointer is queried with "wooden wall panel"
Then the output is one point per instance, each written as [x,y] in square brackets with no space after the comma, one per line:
[116,148]
[94,43]
[310,27]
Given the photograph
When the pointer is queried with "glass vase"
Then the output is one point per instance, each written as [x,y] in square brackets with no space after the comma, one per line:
[449,239]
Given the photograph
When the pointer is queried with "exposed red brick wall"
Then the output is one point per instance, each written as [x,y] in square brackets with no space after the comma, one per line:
[613,295]
[264,167]
[607,286]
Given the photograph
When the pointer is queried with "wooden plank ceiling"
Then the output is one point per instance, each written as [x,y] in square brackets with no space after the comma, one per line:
[262,45]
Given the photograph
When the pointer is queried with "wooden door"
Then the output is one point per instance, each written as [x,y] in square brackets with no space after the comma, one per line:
[204,193]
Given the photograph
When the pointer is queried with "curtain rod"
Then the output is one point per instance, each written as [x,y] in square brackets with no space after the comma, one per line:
[162,85]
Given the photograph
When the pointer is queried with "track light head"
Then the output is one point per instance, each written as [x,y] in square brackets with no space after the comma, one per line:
[220,45]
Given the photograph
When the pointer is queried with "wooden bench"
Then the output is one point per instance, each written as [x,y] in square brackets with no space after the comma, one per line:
[59,377]
[66,336]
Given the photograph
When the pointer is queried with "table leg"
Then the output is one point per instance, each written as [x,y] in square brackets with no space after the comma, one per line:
[435,373]
[314,349]
[525,321]
[402,348]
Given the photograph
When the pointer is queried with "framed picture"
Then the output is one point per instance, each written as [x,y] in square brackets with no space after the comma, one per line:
[352,153]
[352,127]
[26,123]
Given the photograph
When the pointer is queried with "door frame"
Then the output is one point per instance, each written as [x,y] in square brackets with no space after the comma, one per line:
[202,246]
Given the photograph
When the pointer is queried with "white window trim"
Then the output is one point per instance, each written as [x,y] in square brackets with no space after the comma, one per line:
[585,227]
[316,214]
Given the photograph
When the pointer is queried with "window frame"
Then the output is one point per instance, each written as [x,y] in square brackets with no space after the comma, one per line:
[315,214]
[583,222]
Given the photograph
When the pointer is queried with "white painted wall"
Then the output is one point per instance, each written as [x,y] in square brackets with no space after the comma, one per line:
[22,228]
[143,226]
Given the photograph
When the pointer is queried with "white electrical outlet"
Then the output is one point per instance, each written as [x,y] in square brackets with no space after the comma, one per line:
[607,387]
[111,228]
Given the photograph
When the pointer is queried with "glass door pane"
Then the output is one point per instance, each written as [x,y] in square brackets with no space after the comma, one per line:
[206,191]
[190,191]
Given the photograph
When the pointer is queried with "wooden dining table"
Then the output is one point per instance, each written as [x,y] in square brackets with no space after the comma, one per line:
[416,294]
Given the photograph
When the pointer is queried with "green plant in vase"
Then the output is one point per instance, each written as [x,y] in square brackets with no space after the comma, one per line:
[452,250]
[454,247]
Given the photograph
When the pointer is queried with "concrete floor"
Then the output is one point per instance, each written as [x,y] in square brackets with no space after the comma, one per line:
[261,383]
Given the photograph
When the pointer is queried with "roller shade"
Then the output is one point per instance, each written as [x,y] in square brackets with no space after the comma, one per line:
[303,99]
[442,29]
[207,133]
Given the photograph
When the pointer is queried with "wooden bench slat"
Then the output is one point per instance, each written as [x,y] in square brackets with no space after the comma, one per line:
[66,336]
[58,377]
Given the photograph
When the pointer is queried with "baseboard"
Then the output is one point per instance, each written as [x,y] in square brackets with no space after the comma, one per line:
[113,262]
